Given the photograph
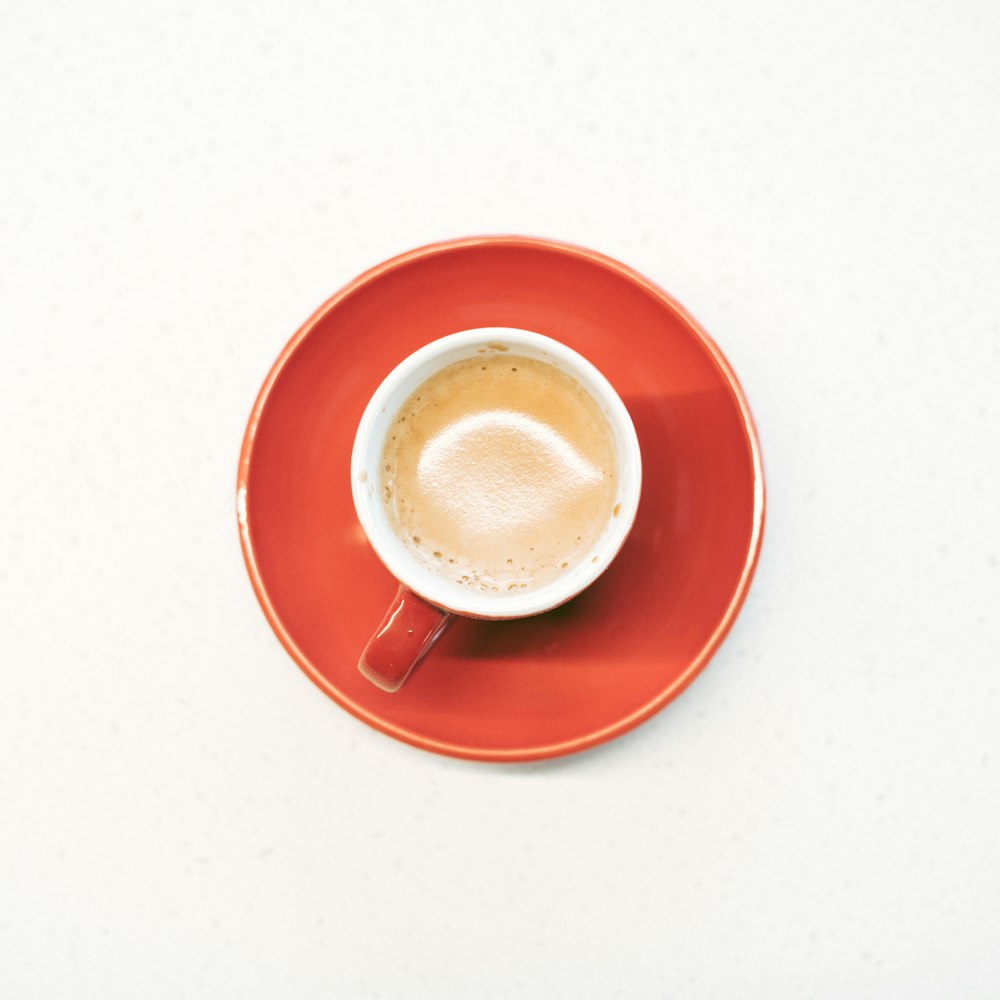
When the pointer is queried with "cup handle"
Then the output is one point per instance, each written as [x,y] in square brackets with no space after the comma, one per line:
[410,627]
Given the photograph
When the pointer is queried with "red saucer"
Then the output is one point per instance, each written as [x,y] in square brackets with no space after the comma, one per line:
[537,687]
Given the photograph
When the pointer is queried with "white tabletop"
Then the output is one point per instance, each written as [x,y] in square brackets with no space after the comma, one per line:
[183,814]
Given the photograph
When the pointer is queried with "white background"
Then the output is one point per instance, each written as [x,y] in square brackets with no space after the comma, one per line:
[183,814]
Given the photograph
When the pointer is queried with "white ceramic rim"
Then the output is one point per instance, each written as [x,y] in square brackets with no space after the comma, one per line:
[366,455]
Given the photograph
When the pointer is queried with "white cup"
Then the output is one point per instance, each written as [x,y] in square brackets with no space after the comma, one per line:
[427,601]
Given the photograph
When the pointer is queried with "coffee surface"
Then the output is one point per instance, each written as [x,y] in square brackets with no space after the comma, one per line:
[499,472]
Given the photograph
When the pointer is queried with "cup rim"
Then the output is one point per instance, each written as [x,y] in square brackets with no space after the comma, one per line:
[406,568]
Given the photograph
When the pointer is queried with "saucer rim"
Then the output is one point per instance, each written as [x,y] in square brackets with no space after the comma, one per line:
[463,751]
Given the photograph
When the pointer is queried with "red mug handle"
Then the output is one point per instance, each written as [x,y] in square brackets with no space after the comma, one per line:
[410,627]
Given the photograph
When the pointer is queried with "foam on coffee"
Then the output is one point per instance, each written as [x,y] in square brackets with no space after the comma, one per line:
[499,472]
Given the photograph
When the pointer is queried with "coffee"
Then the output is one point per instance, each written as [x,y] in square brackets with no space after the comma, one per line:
[499,472]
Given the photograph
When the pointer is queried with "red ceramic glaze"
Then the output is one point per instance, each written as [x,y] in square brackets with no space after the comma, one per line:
[534,687]
[405,637]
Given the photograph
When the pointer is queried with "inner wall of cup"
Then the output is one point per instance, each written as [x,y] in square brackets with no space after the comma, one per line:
[397,556]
